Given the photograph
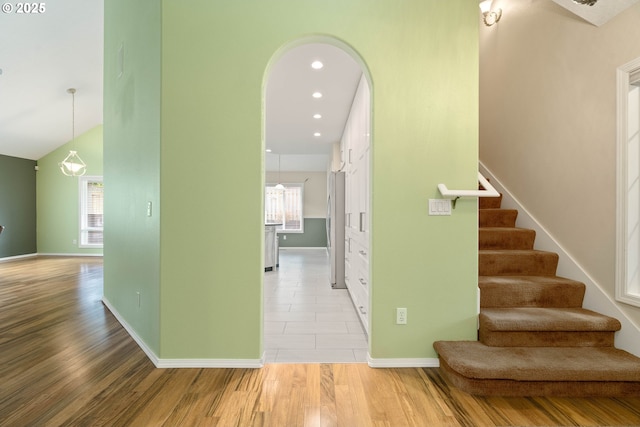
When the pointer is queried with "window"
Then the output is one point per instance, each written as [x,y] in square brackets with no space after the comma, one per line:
[628,221]
[91,211]
[284,207]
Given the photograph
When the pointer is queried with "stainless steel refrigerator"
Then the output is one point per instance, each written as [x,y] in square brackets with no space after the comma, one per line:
[335,227]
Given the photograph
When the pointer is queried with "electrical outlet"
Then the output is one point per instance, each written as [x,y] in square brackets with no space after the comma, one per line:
[401,316]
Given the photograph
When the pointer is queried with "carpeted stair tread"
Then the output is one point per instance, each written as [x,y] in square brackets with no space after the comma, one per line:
[534,337]
[505,238]
[497,217]
[546,319]
[473,359]
[520,262]
[530,291]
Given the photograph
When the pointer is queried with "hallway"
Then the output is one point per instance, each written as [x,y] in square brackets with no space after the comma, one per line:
[305,321]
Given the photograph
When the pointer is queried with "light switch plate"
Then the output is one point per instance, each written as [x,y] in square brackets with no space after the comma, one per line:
[439,207]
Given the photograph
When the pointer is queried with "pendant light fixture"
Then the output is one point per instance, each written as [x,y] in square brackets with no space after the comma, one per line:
[279,187]
[72,165]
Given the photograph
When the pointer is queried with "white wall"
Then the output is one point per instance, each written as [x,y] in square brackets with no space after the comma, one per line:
[548,122]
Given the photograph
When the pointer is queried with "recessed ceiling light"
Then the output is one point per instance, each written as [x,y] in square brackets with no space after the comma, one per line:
[317,116]
[317,134]
[317,95]
[316,65]
[268,150]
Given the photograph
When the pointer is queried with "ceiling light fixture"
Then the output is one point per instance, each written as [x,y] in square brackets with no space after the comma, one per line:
[72,165]
[317,95]
[316,65]
[489,16]
[317,116]
[317,134]
[586,2]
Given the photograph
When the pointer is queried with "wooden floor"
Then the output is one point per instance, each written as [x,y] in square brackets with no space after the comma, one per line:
[65,361]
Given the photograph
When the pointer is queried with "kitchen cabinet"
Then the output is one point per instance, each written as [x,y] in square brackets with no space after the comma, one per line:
[355,149]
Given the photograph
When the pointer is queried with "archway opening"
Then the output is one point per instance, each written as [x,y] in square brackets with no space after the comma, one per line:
[310,90]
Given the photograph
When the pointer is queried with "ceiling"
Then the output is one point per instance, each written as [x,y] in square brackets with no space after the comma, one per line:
[42,55]
[599,13]
[290,107]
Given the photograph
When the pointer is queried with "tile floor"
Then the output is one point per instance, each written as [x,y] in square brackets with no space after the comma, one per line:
[305,320]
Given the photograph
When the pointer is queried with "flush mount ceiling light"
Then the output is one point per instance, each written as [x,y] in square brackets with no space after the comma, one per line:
[317,134]
[489,16]
[72,165]
[586,2]
[317,95]
[317,116]
[316,65]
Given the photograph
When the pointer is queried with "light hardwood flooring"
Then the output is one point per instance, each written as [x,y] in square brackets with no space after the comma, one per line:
[65,361]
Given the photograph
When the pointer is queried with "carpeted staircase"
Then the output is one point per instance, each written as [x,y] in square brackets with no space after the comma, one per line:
[534,337]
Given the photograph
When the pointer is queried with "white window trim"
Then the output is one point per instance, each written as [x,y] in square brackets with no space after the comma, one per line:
[82,193]
[624,75]
[292,184]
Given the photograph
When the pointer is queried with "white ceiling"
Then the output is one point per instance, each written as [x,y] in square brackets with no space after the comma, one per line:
[41,56]
[289,105]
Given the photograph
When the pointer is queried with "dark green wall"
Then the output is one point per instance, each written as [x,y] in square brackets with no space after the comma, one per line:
[315,235]
[17,206]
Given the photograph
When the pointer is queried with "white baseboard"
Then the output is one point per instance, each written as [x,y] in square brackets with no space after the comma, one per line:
[306,248]
[596,299]
[17,257]
[143,346]
[211,363]
[181,363]
[403,363]
[68,254]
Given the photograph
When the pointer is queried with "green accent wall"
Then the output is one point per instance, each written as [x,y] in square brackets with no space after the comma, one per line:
[58,196]
[314,236]
[187,114]
[17,206]
[132,141]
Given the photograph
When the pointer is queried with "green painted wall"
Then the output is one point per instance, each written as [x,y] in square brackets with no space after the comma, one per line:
[315,235]
[58,195]
[422,57]
[132,164]
[17,206]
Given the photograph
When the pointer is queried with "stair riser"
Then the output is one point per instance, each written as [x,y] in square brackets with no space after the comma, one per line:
[516,295]
[546,339]
[490,202]
[502,387]
[497,217]
[507,238]
[517,264]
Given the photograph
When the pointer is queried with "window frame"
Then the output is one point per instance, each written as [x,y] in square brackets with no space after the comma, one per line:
[626,287]
[281,229]
[83,227]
